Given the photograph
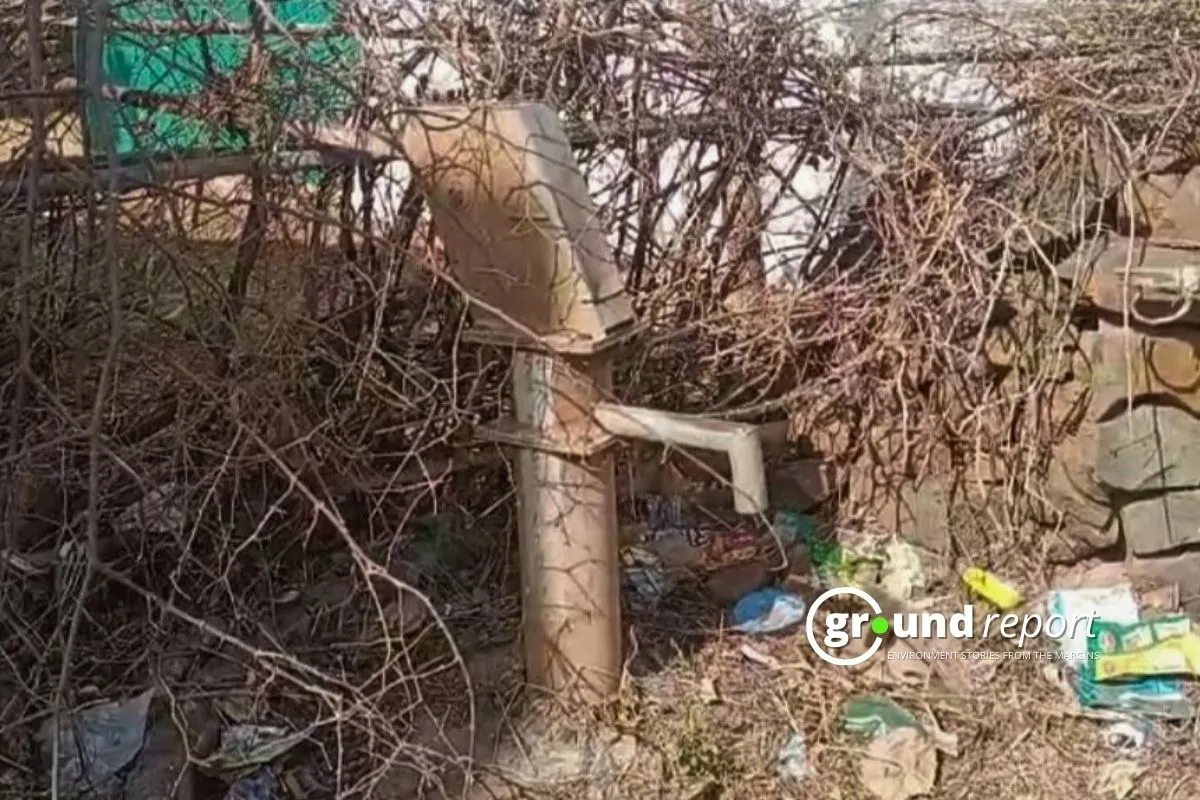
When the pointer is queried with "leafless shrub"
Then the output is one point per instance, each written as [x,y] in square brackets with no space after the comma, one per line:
[291,358]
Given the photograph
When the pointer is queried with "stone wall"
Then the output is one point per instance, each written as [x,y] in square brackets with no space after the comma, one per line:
[1132,473]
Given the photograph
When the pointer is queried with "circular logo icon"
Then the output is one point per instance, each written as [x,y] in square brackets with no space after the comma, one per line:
[812,634]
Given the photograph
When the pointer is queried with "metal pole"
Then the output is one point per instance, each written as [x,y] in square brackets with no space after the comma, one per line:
[568,532]
[740,441]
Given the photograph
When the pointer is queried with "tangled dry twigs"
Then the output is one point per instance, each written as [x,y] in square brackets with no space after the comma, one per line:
[808,229]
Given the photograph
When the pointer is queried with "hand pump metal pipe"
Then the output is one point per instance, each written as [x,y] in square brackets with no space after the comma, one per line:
[524,242]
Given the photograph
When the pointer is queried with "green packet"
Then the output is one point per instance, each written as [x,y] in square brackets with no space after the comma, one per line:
[875,715]
[1111,639]
[1152,695]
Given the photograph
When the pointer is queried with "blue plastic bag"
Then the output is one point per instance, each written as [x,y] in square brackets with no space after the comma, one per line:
[769,610]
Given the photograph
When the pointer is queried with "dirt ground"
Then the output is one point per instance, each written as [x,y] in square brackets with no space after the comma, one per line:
[705,711]
[702,713]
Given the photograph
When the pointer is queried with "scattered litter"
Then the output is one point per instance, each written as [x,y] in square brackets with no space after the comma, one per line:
[97,743]
[854,562]
[768,610]
[730,546]
[708,691]
[902,570]
[792,764]
[661,512]
[1113,604]
[1160,601]
[163,768]
[991,588]
[706,547]
[258,785]
[684,543]
[760,658]
[794,527]
[1145,574]
[245,746]
[874,715]
[899,764]
[1152,696]
[645,576]
[1129,735]
[674,551]
[1157,647]
[829,562]
[160,511]
[1118,778]
[669,545]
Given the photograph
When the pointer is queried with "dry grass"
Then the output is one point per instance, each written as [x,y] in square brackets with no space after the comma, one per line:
[1017,739]
[709,722]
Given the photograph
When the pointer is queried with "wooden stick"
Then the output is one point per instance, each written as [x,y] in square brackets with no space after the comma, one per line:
[150,173]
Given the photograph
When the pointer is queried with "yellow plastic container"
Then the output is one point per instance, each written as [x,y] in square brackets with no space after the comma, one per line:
[991,588]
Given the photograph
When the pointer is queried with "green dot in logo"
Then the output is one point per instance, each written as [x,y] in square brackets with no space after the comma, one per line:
[880,625]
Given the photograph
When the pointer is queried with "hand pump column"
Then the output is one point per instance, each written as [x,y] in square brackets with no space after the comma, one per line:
[513,210]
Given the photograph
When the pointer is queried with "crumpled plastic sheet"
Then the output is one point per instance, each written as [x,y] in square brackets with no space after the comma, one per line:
[900,764]
[792,763]
[97,743]
[246,746]
[769,610]
[258,785]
